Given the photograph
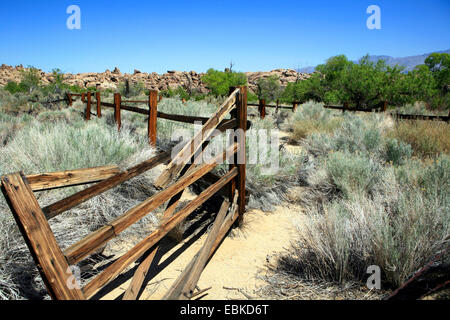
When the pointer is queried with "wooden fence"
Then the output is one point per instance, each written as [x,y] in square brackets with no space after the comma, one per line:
[397,116]
[382,107]
[54,263]
[262,107]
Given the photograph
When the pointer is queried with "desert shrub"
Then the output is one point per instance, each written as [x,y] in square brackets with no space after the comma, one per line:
[311,117]
[368,202]
[397,152]
[353,175]
[48,147]
[427,138]
[398,226]
[44,147]
[131,88]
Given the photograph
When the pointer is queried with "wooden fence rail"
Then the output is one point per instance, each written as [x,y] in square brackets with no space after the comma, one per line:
[54,263]
[262,107]
[396,116]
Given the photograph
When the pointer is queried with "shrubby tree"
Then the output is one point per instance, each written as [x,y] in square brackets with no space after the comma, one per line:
[131,89]
[219,82]
[368,84]
[268,88]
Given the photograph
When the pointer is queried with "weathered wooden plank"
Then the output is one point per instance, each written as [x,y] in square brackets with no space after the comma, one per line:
[177,163]
[84,247]
[240,157]
[88,193]
[152,116]
[262,108]
[40,240]
[186,282]
[117,106]
[46,181]
[135,101]
[88,107]
[131,256]
[182,118]
[99,104]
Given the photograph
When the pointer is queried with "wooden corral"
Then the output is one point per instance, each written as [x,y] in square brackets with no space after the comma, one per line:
[54,263]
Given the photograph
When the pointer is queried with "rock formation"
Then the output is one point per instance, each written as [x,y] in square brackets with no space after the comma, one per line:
[172,79]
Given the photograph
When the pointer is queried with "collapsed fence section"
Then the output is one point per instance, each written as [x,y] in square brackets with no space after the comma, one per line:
[54,263]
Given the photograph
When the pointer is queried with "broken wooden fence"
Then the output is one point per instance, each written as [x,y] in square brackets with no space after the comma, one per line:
[54,263]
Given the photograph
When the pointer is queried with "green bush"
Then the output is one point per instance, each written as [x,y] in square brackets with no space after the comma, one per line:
[397,152]
[353,175]
[367,84]
[219,82]
[268,88]
[131,89]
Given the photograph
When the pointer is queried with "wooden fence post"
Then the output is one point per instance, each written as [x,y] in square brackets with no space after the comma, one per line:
[294,106]
[99,104]
[278,105]
[345,107]
[241,112]
[385,105]
[69,98]
[117,103]
[232,139]
[262,108]
[88,107]
[33,225]
[83,97]
[152,116]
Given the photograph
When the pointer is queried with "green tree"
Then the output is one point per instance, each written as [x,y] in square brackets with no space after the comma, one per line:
[268,88]
[439,65]
[31,79]
[219,82]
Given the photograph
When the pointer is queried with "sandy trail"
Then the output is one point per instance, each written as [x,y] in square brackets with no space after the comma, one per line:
[237,263]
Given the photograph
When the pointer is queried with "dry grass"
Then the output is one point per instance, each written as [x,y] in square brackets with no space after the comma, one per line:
[427,138]
[45,147]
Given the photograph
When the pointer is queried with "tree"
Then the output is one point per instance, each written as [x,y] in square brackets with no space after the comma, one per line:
[219,82]
[439,65]
[268,88]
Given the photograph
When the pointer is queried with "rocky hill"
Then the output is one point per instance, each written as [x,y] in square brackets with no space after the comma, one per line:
[171,79]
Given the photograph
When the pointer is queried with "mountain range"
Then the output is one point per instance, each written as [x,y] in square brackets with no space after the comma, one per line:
[408,62]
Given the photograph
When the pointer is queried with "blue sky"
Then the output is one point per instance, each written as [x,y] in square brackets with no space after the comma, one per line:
[156,36]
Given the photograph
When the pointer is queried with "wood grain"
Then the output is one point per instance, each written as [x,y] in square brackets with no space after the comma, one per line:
[47,181]
[84,195]
[39,237]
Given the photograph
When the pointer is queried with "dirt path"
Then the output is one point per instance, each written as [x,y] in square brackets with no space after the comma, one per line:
[236,264]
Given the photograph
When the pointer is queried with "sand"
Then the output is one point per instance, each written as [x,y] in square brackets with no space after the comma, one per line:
[237,263]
